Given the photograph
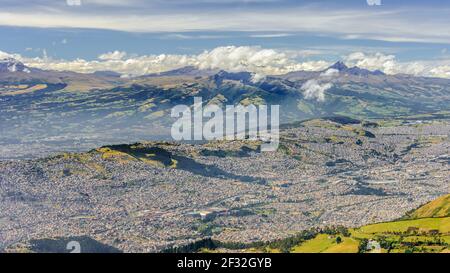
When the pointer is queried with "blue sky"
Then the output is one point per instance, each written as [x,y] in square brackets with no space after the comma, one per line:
[89,43]
[327,30]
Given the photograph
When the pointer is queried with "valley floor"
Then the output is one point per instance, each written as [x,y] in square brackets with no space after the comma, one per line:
[151,196]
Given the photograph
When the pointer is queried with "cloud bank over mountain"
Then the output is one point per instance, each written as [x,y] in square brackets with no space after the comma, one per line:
[315,88]
[255,59]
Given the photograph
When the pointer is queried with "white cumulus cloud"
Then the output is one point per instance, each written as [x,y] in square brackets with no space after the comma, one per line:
[390,65]
[386,63]
[260,61]
[115,55]
[314,89]
[230,58]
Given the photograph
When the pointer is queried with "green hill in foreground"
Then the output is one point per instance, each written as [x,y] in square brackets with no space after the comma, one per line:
[437,208]
[424,230]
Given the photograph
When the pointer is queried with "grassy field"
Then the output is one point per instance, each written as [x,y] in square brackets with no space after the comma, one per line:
[418,235]
[426,224]
[151,155]
[325,243]
[348,245]
[319,244]
[426,229]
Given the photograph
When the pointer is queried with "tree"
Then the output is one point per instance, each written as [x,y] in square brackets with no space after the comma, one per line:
[338,240]
[363,245]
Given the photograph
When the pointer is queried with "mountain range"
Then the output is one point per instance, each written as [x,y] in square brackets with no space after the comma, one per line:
[44,106]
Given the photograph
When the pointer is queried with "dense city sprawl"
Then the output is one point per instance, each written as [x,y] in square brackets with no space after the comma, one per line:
[150,196]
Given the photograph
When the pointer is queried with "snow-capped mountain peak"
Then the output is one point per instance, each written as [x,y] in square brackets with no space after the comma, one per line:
[12,65]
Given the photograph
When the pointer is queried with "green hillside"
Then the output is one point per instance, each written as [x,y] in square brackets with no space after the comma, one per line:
[427,235]
[427,229]
[424,230]
[437,208]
